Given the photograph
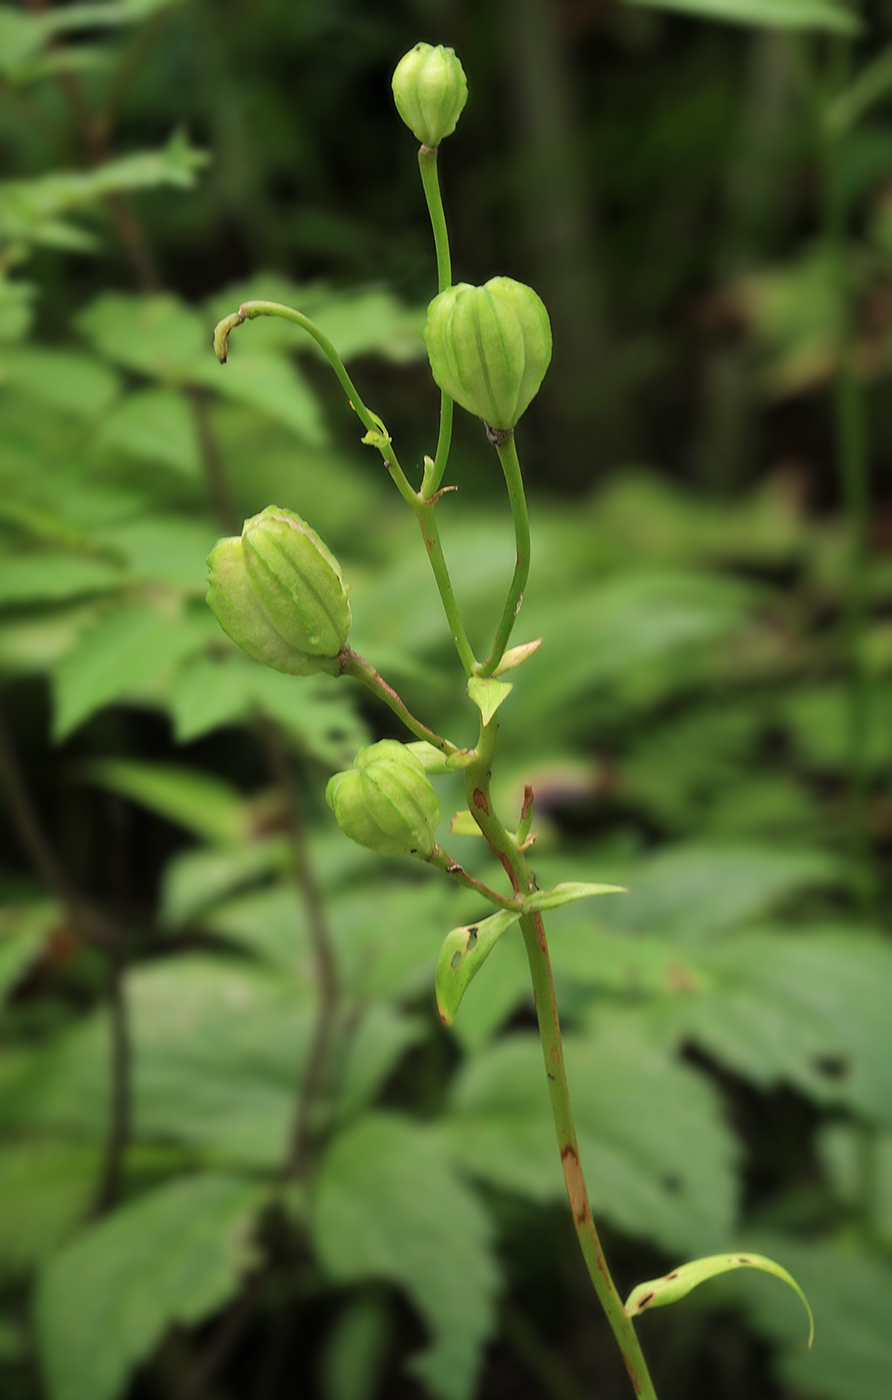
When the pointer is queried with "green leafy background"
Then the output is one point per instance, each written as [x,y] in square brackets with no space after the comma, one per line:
[239,1154]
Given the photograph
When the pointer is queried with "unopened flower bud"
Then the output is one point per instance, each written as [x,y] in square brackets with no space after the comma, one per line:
[385,801]
[277,591]
[489,347]
[430,90]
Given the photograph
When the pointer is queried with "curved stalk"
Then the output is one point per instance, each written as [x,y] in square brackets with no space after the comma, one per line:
[427,164]
[533,930]
[250,310]
[443,861]
[352,664]
[514,481]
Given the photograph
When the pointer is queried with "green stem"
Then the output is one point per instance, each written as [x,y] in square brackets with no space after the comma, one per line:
[424,511]
[249,310]
[352,664]
[442,860]
[427,164]
[481,808]
[511,467]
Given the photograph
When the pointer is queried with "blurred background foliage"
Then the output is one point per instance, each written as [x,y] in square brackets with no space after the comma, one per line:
[240,1156]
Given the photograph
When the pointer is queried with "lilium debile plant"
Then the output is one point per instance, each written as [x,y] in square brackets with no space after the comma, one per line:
[279,593]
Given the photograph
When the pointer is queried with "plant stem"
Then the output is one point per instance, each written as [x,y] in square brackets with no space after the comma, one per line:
[352,664]
[443,861]
[427,164]
[249,310]
[424,511]
[477,787]
[514,481]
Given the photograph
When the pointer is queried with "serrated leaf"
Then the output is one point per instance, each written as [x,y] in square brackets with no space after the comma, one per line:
[637,1113]
[462,955]
[205,805]
[567,893]
[811,1009]
[174,1256]
[488,694]
[780,14]
[217,1046]
[123,652]
[658,1292]
[695,892]
[389,1205]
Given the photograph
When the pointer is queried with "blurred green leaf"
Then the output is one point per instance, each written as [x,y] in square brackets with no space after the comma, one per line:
[174,1256]
[659,1160]
[390,1206]
[782,14]
[46,1190]
[48,576]
[205,805]
[811,1009]
[125,650]
[66,379]
[156,424]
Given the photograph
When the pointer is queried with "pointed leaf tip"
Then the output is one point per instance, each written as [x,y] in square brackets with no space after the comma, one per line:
[656,1293]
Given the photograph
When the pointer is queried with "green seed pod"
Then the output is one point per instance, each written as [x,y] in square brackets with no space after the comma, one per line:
[489,347]
[277,591]
[386,802]
[430,90]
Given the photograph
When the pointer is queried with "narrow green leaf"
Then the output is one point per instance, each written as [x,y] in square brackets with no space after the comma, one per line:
[566,893]
[779,14]
[669,1289]
[487,695]
[204,804]
[106,1301]
[464,952]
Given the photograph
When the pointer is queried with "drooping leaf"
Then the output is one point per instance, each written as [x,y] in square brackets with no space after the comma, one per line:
[658,1292]
[389,1205]
[462,955]
[173,1256]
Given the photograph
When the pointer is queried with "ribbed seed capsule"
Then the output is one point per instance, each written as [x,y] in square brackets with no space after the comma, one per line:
[278,592]
[430,90]
[489,347]
[386,802]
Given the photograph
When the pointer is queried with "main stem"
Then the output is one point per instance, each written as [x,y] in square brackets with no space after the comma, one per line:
[477,787]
